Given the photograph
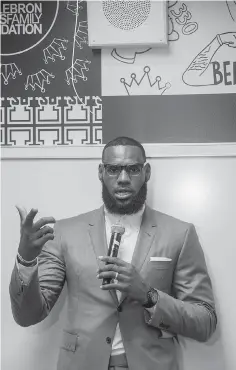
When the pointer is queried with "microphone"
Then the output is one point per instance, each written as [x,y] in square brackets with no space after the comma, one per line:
[116,233]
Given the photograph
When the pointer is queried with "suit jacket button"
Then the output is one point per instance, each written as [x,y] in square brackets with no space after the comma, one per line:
[108,340]
[119,309]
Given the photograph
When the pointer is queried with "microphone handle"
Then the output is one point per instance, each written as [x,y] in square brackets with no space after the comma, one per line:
[112,252]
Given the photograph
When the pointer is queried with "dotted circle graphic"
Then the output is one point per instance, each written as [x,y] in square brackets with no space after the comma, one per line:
[126,14]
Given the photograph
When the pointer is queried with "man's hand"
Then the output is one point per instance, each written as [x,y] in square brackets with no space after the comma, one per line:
[128,279]
[33,235]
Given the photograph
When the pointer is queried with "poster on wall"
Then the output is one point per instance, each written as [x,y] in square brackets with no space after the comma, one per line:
[57,91]
[51,79]
[182,93]
[200,57]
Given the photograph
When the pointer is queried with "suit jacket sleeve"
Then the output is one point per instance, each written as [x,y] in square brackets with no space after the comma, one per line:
[191,310]
[32,301]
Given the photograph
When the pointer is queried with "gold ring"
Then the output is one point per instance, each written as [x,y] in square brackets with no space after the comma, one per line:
[116,275]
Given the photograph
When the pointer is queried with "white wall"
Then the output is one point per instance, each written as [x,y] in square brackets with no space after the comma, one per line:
[199,190]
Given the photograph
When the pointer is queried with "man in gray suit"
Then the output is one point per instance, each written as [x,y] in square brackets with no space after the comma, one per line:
[159,287]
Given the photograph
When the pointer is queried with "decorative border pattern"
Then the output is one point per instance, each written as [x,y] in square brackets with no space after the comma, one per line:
[46,121]
[95,151]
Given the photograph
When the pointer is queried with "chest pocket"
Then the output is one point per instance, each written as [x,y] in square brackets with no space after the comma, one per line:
[159,274]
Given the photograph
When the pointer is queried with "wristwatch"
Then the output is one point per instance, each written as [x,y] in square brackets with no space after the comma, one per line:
[152,298]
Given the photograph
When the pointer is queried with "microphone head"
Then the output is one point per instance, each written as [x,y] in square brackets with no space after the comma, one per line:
[118,229]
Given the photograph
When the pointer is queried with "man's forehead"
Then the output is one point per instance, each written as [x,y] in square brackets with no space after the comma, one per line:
[123,153]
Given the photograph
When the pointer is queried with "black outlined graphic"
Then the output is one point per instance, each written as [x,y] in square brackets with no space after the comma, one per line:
[195,74]
[232,9]
[128,56]
[152,87]
[171,3]
[173,35]
[182,17]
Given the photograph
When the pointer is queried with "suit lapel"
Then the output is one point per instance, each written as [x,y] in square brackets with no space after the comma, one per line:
[147,232]
[97,233]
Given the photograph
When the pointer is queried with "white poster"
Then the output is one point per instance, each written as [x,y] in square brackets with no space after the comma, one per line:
[199,59]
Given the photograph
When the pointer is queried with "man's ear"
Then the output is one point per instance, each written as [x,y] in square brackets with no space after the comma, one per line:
[100,172]
[147,172]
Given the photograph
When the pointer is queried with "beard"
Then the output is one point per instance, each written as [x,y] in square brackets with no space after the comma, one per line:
[126,207]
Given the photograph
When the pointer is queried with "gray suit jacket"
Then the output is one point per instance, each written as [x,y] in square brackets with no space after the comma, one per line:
[185,306]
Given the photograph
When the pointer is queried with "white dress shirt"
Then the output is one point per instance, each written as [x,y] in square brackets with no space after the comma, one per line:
[131,224]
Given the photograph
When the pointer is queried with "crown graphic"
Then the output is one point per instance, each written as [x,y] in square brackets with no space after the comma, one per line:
[77,70]
[73,6]
[145,86]
[81,36]
[38,80]
[9,71]
[54,50]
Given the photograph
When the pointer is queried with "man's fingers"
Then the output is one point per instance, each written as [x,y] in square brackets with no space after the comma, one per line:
[121,287]
[43,221]
[112,275]
[113,260]
[41,241]
[22,212]
[30,217]
[45,230]
[111,267]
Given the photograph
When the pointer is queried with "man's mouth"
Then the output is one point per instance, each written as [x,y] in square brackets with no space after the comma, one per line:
[123,194]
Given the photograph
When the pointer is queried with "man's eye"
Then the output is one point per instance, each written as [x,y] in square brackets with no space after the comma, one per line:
[133,169]
[113,169]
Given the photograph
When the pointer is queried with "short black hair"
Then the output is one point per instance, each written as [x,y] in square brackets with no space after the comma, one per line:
[123,140]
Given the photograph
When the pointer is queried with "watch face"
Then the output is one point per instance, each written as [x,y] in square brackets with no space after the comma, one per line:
[152,297]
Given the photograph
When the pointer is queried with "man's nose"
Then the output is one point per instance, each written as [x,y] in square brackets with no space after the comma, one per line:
[123,177]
